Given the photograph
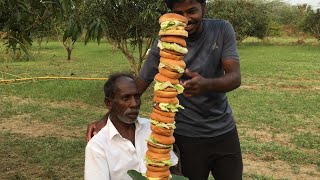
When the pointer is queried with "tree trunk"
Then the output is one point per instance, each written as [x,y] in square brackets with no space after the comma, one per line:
[69,50]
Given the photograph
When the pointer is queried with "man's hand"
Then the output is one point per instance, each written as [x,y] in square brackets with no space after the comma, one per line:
[195,85]
[95,127]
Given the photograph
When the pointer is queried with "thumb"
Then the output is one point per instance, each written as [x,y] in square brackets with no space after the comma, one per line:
[191,74]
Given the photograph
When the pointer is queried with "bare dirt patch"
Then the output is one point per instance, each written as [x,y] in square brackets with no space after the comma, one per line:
[282,139]
[301,84]
[13,168]
[251,87]
[269,136]
[24,125]
[53,104]
[278,169]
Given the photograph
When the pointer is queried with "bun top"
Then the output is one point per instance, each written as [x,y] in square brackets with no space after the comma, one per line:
[157,156]
[170,56]
[161,78]
[174,39]
[172,63]
[172,17]
[162,118]
[173,100]
[165,140]
[158,175]
[156,109]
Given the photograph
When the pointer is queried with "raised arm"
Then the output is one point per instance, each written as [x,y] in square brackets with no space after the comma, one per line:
[228,82]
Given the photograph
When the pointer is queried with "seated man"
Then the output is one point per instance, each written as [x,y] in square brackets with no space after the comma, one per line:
[121,144]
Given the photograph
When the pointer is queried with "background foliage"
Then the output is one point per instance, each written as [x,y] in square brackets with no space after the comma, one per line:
[133,25]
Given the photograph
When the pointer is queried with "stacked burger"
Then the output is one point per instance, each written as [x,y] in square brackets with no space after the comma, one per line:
[172,46]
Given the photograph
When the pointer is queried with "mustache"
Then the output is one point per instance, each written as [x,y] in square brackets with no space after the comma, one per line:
[131,111]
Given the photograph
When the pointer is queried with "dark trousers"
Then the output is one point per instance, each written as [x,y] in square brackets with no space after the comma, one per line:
[221,155]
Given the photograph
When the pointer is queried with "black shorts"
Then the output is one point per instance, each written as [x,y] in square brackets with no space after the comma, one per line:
[221,155]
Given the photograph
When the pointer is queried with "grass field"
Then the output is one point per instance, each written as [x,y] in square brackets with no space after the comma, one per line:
[43,122]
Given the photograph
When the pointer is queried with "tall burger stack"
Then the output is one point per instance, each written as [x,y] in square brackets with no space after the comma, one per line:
[172,46]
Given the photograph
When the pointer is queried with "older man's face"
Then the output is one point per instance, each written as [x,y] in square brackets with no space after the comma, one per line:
[126,102]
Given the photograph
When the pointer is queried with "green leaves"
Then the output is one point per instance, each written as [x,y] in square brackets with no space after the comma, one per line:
[73,31]
[311,23]
[96,30]
[135,175]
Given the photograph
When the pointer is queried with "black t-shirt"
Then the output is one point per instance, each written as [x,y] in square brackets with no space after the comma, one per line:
[209,114]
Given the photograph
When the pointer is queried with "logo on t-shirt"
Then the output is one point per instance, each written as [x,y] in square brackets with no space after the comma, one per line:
[215,46]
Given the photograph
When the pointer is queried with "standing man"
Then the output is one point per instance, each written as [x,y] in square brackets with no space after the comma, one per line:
[121,144]
[206,132]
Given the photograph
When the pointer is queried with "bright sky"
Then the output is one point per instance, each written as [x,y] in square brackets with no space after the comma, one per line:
[314,3]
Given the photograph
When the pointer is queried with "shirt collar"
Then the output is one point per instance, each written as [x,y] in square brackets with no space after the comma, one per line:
[111,129]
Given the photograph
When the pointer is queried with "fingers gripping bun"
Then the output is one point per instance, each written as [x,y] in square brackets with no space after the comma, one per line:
[170,56]
[172,17]
[161,78]
[160,118]
[174,39]
[166,140]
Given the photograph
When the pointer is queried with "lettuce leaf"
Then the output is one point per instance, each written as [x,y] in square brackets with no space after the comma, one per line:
[170,107]
[173,47]
[177,68]
[171,25]
[162,85]
[163,125]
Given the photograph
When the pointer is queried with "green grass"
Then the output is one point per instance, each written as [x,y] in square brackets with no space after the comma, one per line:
[43,122]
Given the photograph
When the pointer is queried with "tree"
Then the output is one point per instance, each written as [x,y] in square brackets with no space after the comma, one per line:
[248,18]
[71,24]
[311,23]
[130,24]
[21,20]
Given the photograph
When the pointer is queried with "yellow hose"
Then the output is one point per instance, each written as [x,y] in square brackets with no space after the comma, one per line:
[7,81]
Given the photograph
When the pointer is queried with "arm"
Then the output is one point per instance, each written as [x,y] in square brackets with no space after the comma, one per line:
[142,85]
[229,81]
[95,127]
[230,60]
[96,164]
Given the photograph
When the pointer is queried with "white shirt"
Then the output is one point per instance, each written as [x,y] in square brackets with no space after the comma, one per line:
[109,156]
